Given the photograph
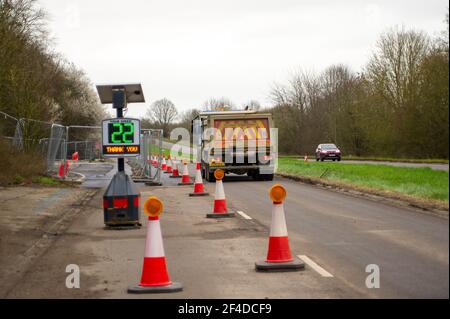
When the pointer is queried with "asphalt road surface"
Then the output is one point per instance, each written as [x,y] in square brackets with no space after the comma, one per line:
[338,236]
[344,234]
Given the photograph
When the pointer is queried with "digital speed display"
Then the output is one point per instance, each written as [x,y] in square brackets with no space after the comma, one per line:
[121,133]
[121,137]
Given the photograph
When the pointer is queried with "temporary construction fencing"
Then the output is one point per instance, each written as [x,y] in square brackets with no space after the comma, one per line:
[151,147]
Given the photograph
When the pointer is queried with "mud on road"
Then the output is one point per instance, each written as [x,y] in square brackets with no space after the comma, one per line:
[31,218]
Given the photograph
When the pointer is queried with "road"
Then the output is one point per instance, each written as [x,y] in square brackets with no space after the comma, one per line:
[341,233]
[344,234]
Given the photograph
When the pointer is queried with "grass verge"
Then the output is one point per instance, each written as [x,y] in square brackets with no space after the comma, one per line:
[422,183]
[380,159]
[166,152]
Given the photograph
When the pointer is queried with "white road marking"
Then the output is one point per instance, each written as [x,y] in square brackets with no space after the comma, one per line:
[243,214]
[315,266]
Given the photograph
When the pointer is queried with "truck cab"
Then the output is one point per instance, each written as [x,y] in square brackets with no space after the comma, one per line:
[238,142]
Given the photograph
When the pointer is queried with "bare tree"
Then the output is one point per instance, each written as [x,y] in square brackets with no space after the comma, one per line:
[186,118]
[162,113]
[218,104]
[395,66]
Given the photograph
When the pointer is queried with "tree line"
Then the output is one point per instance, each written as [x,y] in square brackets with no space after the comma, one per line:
[396,106]
[35,81]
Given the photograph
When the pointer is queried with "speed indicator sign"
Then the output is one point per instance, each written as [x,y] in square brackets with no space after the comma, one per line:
[121,137]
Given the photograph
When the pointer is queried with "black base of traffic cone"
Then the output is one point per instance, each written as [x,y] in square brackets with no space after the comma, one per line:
[220,215]
[294,265]
[173,287]
[175,176]
[122,226]
[185,184]
[198,194]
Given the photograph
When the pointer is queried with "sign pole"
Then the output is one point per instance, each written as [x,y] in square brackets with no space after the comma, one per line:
[120,139]
[120,160]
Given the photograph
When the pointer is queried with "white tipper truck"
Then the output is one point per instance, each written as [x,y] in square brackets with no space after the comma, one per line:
[238,142]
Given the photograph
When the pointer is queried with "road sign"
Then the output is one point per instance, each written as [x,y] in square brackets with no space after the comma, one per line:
[121,137]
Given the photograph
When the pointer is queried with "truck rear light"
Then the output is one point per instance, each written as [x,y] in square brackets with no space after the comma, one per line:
[105,203]
[120,202]
[136,201]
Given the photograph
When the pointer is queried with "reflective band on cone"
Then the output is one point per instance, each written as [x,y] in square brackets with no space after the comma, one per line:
[279,250]
[61,170]
[185,180]
[169,166]
[175,173]
[220,203]
[198,184]
[154,270]
[279,257]
[155,278]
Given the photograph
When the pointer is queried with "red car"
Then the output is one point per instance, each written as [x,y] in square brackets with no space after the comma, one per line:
[328,151]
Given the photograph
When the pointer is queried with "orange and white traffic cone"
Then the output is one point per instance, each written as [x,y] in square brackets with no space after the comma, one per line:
[198,184]
[67,168]
[185,180]
[163,164]
[279,256]
[155,277]
[169,166]
[175,172]
[61,170]
[220,209]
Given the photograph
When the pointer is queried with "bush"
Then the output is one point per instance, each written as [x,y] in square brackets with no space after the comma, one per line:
[19,167]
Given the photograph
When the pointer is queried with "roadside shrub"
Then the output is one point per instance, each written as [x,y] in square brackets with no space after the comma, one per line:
[19,167]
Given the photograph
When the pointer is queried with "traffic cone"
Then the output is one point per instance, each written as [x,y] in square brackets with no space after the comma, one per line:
[220,209]
[169,166]
[155,277]
[279,256]
[185,180]
[175,173]
[198,184]
[61,170]
[75,156]
[163,164]
[67,168]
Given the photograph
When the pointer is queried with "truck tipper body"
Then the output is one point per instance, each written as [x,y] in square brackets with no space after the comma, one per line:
[238,142]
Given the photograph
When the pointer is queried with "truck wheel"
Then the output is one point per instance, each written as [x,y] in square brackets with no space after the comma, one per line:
[268,177]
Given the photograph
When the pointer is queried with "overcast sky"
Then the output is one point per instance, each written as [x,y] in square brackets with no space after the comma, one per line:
[190,50]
